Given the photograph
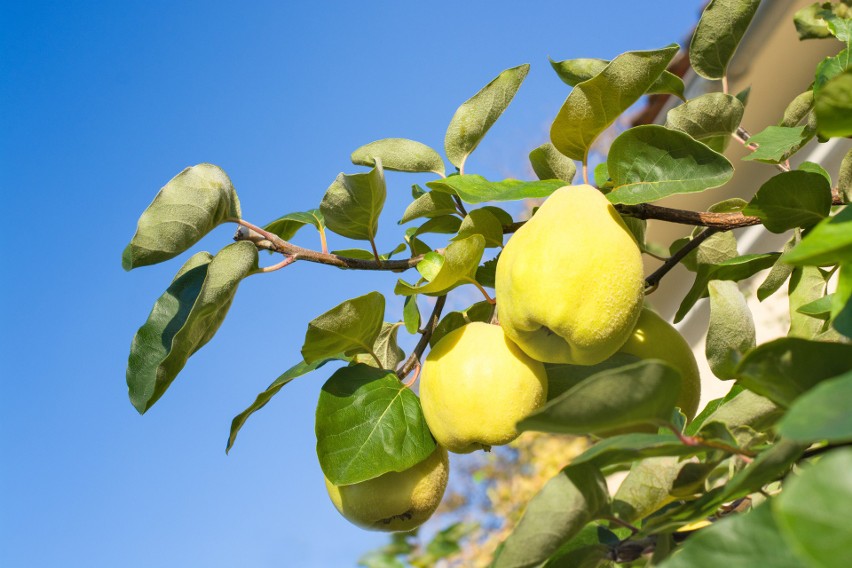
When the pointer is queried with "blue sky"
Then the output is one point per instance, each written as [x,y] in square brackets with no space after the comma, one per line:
[102,104]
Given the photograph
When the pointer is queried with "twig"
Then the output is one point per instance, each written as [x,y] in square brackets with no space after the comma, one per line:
[414,359]
[460,205]
[654,279]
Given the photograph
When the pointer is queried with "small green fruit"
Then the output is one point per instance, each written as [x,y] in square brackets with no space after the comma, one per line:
[570,281]
[395,501]
[476,384]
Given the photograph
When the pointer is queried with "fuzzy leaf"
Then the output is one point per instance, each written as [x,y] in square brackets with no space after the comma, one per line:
[352,204]
[349,328]
[719,31]
[400,155]
[476,189]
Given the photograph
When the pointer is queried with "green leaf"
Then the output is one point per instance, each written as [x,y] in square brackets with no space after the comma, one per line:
[185,318]
[841,305]
[349,328]
[738,541]
[573,71]
[476,115]
[287,225]
[709,118]
[445,224]
[785,368]
[829,68]
[720,29]
[476,189]
[806,285]
[400,155]
[791,199]
[566,503]
[432,204]
[482,222]
[363,254]
[813,511]
[731,332]
[192,204]
[600,403]
[798,109]
[369,423]
[443,272]
[487,272]
[820,415]
[830,242]
[709,409]
[735,269]
[647,163]
[743,409]
[810,22]
[385,348]
[839,25]
[777,143]
[296,371]
[844,177]
[779,273]
[411,314]
[815,168]
[352,204]
[548,163]
[819,308]
[601,175]
[646,488]
[769,466]
[632,447]
[833,107]
[561,377]
[595,103]
[480,311]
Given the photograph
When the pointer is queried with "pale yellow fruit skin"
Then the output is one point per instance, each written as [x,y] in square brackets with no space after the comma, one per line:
[395,501]
[570,281]
[655,338]
[475,385]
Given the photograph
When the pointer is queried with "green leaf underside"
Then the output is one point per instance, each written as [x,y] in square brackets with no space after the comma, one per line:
[192,204]
[833,107]
[574,71]
[719,31]
[647,163]
[785,368]
[816,415]
[813,509]
[349,328]
[631,447]
[432,204]
[548,163]
[595,104]
[482,222]
[791,199]
[296,371]
[185,318]
[731,332]
[476,189]
[561,377]
[558,512]
[821,307]
[369,423]
[288,225]
[476,115]
[779,273]
[353,202]
[709,118]
[830,242]
[399,154]
[444,272]
[598,404]
[386,348]
[777,143]
[736,269]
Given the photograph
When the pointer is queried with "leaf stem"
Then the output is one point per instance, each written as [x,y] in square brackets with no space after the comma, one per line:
[414,359]
[375,250]
[288,260]
[725,83]
[460,205]
[585,172]
[323,241]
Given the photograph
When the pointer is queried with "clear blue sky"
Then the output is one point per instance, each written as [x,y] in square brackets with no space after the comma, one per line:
[102,103]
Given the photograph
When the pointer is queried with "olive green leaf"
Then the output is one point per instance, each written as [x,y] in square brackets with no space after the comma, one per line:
[480,311]
[719,31]
[777,143]
[709,118]
[476,115]
[807,283]
[833,107]
[573,71]
[548,163]
[649,162]
[816,415]
[566,503]
[829,242]
[476,189]
[595,104]
[287,225]
[411,314]
[349,328]
[400,155]
[482,222]
[798,109]
[192,204]
[185,318]
[297,370]
[386,348]
[443,272]
[790,200]
[369,423]
[844,177]
[731,331]
[353,202]
[779,273]
[431,204]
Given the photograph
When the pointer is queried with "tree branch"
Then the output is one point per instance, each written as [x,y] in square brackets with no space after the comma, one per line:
[414,359]
[654,278]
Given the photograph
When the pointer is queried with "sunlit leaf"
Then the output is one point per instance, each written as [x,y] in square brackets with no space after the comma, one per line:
[791,199]
[720,29]
[833,107]
[353,202]
[481,222]
[830,242]
[573,71]
[349,328]
[399,154]
[431,204]
[777,143]
[548,163]
[443,272]
[476,189]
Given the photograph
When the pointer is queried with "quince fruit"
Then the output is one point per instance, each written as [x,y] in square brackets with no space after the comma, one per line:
[570,281]
[394,501]
[655,338]
[476,384]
